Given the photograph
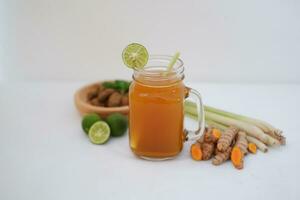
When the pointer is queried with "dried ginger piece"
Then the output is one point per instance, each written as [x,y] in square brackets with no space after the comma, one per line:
[227,138]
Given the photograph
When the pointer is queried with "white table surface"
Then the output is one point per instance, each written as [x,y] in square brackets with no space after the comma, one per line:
[45,155]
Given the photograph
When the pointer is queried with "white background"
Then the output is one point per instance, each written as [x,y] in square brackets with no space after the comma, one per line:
[44,154]
[255,41]
[243,56]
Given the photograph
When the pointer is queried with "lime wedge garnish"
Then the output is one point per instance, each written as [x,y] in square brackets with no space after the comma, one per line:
[135,56]
[99,133]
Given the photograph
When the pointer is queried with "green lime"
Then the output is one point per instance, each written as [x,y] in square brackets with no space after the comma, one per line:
[88,120]
[99,133]
[118,124]
[135,56]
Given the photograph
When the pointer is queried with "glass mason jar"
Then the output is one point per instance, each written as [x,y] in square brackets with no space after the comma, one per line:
[156,110]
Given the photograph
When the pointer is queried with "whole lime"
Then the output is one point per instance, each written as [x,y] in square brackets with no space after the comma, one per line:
[118,124]
[88,120]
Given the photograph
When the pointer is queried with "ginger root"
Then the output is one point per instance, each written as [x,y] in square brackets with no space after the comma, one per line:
[227,138]
[252,148]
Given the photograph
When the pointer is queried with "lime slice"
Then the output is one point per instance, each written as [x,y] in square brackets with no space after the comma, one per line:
[135,56]
[99,133]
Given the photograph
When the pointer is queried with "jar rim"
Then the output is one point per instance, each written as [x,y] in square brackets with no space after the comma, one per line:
[178,66]
[156,66]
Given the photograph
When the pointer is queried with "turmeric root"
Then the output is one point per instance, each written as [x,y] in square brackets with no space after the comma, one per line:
[252,148]
[201,139]
[226,138]
[261,146]
[239,150]
[196,151]
[221,157]
[216,133]
[207,150]
[202,151]
[237,157]
[204,148]
[242,142]
[210,136]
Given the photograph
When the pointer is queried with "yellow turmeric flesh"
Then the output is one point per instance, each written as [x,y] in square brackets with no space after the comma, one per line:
[216,133]
[196,151]
[209,136]
[252,148]
[237,157]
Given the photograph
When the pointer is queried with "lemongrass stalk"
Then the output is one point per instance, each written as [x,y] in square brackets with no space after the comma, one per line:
[190,104]
[195,117]
[191,110]
[261,146]
[248,128]
[236,116]
[266,127]
[173,61]
[171,64]
[216,124]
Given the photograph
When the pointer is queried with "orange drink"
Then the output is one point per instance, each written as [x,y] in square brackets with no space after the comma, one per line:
[156,115]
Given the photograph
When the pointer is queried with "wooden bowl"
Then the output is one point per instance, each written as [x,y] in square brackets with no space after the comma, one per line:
[84,107]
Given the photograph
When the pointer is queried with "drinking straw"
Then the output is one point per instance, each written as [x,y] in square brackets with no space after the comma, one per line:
[173,61]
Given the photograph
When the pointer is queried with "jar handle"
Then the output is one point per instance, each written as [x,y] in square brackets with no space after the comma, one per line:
[196,134]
